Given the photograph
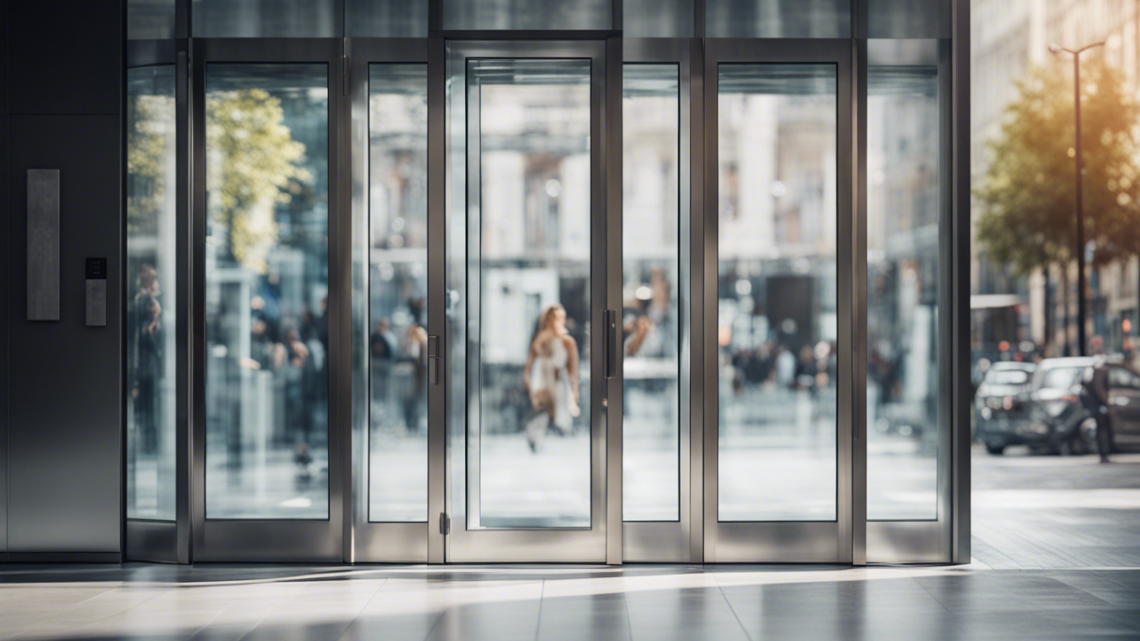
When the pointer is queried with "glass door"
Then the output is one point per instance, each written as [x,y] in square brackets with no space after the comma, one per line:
[269,302]
[778,319]
[527,328]
[389,143]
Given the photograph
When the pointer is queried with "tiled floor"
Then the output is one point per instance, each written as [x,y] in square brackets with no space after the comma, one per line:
[567,602]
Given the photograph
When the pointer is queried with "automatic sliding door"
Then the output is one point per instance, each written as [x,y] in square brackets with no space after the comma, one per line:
[782,488]
[526,461]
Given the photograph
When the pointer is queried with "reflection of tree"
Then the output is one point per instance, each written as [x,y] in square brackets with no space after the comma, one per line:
[1029,193]
[253,165]
[148,138]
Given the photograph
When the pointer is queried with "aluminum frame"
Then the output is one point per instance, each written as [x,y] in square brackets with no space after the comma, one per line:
[781,542]
[274,540]
[914,541]
[372,541]
[148,539]
[546,545]
[672,541]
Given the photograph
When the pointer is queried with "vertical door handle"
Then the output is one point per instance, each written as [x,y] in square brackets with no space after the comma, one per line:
[612,343]
[434,360]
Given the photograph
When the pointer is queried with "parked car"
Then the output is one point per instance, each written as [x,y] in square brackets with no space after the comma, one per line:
[1000,395]
[1052,417]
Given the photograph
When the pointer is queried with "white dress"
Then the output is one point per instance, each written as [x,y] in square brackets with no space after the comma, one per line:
[550,373]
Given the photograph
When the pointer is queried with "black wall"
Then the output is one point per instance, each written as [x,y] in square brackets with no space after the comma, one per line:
[61,387]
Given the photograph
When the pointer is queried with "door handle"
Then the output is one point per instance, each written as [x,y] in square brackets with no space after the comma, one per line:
[612,341]
[434,360]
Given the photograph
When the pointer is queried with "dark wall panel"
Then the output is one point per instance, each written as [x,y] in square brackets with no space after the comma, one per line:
[64,430]
[66,56]
[4,284]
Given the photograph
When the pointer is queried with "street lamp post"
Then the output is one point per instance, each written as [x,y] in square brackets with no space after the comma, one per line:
[1081,293]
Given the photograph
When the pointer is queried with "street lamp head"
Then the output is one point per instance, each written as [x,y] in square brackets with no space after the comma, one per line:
[1055,48]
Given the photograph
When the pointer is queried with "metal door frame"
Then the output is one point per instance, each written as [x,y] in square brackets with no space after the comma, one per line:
[781,542]
[373,541]
[678,541]
[152,539]
[276,540]
[910,541]
[596,544]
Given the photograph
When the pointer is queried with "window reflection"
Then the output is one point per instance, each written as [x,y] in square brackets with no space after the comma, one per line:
[778,18]
[777,292]
[651,316]
[151,320]
[267,316]
[530,457]
[903,207]
[397,285]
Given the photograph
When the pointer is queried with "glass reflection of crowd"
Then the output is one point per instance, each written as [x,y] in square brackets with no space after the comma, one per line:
[145,369]
[399,363]
[296,351]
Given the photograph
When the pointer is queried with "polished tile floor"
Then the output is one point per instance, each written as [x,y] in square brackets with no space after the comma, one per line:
[566,602]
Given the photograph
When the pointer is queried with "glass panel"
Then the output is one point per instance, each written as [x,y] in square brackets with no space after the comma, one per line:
[908,18]
[267,285]
[903,212]
[265,19]
[651,316]
[150,19]
[388,19]
[151,321]
[657,18]
[777,292]
[529,246]
[496,15]
[397,291]
[778,18]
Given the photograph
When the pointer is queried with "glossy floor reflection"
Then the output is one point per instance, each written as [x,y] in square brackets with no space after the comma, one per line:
[566,602]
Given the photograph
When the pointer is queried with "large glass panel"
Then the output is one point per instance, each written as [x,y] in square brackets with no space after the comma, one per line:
[150,19]
[397,291]
[657,18]
[516,15]
[903,212]
[778,18]
[267,286]
[152,240]
[265,19]
[528,283]
[777,304]
[386,19]
[651,315]
[908,18]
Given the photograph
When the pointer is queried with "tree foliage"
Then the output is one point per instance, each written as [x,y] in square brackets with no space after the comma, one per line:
[253,164]
[150,138]
[1028,194]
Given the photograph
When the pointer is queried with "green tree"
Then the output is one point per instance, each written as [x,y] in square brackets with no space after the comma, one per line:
[254,164]
[1028,194]
[149,139]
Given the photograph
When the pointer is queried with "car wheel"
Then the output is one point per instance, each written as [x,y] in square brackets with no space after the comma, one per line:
[996,450]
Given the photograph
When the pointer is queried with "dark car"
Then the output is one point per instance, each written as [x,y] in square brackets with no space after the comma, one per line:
[1052,417]
[1001,393]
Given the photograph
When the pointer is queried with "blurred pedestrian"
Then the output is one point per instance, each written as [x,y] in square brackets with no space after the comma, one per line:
[1094,396]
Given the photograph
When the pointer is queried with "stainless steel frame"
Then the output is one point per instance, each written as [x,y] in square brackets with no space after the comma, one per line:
[913,541]
[529,545]
[276,540]
[145,539]
[807,542]
[371,542]
[672,541]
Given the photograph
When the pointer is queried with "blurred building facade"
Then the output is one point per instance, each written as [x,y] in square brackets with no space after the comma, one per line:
[1016,317]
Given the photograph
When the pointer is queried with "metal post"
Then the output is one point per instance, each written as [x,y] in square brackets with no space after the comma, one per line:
[1082,312]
